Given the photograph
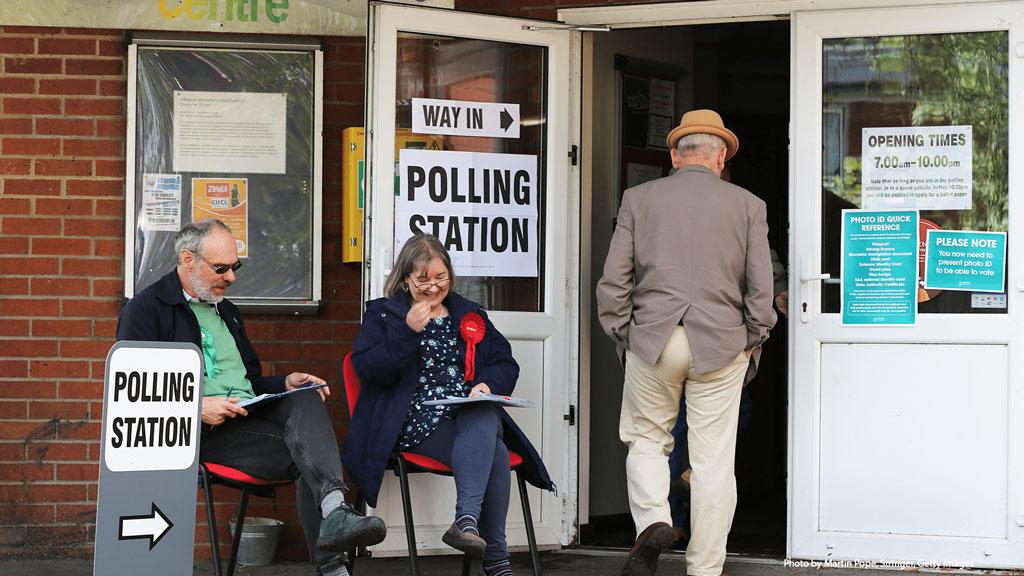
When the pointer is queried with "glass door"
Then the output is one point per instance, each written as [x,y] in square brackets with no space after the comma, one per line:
[468,140]
[906,315]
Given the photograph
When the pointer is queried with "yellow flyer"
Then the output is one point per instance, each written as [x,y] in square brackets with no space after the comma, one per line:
[227,200]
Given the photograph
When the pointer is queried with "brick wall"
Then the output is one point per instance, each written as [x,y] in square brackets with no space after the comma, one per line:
[62,165]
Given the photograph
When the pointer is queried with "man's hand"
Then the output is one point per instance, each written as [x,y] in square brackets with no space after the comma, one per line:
[782,302]
[217,408]
[479,389]
[301,380]
[419,315]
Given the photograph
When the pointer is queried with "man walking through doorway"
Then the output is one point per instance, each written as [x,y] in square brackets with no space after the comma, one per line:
[686,295]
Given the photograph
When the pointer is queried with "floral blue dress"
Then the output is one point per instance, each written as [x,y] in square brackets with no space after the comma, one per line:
[441,375]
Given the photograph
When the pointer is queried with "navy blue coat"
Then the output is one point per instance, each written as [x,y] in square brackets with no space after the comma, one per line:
[386,358]
[160,313]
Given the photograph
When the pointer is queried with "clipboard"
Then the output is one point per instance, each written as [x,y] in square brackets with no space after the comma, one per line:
[268,397]
[510,401]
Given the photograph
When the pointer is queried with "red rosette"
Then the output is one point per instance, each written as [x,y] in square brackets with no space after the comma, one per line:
[472,329]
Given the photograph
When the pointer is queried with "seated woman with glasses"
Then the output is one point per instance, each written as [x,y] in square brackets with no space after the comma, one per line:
[425,342]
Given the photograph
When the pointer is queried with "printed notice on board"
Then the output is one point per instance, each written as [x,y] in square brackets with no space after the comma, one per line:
[965,260]
[918,167]
[230,132]
[879,268]
[481,206]
[227,200]
[161,203]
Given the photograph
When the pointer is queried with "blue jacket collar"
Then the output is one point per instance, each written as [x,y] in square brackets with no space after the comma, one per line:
[458,306]
[169,289]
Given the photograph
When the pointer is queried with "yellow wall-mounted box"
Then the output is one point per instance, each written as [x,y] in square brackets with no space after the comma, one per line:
[352,178]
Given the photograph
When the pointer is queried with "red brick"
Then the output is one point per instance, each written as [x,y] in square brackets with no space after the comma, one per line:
[26,514]
[65,126]
[32,187]
[31,226]
[95,187]
[66,46]
[12,327]
[50,493]
[34,30]
[13,410]
[76,513]
[110,208]
[47,410]
[70,430]
[22,265]
[110,127]
[88,67]
[60,247]
[33,106]
[110,168]
[64,86]
[112,48]
[93,267]
[15,166]
[32,390]
[15,125]
[9,245]
[101,247]
[14,286]
[60,286]
[65,328]
[105,328]
[107,289]
[113,88]
[33,65]
[29,307]
[17,85]
[94,107]
[89,308]
[15,45]
[25,430]
[95,228]
[15,206]
[31,146]
[13,369]
[77,472]
[110,148]
[63,167]
[84,348]
[64,206]
[92,390]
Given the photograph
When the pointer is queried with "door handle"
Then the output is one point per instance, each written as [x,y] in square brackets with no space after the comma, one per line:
[807,277]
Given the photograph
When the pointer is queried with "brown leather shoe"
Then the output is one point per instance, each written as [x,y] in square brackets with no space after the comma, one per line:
[643,557]
[467,542]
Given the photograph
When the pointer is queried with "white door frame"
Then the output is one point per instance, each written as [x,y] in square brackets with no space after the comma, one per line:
[697,13]
[558,325]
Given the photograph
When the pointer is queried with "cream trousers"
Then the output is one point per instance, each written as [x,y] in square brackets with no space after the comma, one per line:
[650,406]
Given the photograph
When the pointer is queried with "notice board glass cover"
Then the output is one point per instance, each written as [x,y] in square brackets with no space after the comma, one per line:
[229,133]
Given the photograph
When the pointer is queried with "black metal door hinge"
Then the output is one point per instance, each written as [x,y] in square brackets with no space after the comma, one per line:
[572,154]
[571,416]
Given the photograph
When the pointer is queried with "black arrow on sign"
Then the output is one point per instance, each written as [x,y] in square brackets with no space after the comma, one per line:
[152,527]
[506,119]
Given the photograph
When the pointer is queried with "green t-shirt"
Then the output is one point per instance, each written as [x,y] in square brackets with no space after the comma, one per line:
[225,371]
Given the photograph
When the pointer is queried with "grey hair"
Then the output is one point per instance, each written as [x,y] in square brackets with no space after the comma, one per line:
[417,252]
[700,143]
[192,235]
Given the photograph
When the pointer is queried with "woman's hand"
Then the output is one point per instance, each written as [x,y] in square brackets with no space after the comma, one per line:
[217,408]
[301,380]
[479,389]
[419,315]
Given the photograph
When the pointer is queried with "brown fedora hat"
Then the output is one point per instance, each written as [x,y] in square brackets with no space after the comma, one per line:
[704,122]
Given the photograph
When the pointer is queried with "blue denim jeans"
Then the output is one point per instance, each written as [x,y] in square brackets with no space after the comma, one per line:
[471,444]
[292,438]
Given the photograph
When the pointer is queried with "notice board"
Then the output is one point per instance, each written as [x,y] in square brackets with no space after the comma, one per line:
[228,129]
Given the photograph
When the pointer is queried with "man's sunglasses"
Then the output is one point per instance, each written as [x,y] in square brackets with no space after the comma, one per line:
[221,268]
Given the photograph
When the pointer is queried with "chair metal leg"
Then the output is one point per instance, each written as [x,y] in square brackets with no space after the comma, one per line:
[350,556]
[239,524]
[531,537]
[211,520]
[410,529]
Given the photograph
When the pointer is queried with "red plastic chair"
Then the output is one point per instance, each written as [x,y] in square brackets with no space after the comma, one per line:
[210,474]
[405,463]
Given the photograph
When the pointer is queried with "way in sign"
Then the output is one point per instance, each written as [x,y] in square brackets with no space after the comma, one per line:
[464,118]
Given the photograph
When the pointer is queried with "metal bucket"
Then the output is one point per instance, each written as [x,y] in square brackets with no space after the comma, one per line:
[258,545]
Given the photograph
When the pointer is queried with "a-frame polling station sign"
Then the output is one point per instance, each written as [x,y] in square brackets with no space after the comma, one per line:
[465,118]
[146,510]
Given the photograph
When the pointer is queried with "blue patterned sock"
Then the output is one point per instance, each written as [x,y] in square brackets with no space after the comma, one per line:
[467,523]
[498,568]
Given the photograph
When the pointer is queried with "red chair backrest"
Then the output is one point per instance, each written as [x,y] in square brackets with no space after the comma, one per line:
[352,384]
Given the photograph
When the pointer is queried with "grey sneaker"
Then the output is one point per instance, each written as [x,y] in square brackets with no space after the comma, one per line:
[467,542]
[344,529]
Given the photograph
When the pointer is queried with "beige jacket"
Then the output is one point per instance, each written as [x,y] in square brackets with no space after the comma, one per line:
[689,248]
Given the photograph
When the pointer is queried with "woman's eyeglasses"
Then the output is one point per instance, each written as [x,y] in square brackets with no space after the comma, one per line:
[220,268]
[427,286]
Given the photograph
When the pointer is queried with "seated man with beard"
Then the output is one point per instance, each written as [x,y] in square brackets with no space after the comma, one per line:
[290,437]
